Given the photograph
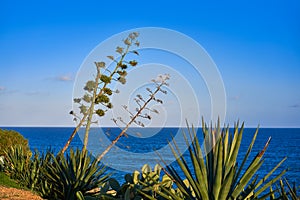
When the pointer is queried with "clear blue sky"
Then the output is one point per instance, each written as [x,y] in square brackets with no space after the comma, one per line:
[255,45]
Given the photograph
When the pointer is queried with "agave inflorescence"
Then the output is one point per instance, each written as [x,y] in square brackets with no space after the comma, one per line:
[97,98]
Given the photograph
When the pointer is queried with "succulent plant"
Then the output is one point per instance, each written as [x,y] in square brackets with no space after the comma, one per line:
[138,185]
[214,173]
[71,176]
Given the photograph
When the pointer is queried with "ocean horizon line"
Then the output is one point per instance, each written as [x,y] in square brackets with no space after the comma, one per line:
[62,126]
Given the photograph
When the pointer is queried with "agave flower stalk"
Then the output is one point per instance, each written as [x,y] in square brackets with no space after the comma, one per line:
[96,100]
[138,114]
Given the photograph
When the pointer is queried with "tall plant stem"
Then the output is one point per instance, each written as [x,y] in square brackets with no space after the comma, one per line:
[89,115]
[129,123]
[73,134]
[91,111]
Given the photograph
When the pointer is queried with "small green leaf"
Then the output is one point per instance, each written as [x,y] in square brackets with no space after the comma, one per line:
[135,52]
[133,63]
[100,64]
[100,112]
[111,57]
[105,79]
[107,91]
[90,85]
[77,100]
[87,98]
[123,66]
[122,80]
[83,109]
[120,50]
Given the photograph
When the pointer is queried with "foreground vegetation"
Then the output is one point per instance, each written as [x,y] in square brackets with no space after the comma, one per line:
[213,174]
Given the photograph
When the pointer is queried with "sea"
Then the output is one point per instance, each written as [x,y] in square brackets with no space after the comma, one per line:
[141,146]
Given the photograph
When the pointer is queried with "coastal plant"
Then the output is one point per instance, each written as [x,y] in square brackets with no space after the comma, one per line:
[16,162]
[144,184]
[214,172]
[24,168]
[10,138]
[97,101]
[142,105]
[97,97]
[73,176]
[31,174]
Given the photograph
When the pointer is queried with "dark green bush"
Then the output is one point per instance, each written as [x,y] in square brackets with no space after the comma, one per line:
[10,138]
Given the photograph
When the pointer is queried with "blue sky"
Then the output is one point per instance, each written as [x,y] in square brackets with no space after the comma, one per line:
[254,44]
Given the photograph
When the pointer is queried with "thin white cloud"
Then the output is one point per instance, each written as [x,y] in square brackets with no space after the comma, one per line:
[64,78]
[61,78]
[2,88]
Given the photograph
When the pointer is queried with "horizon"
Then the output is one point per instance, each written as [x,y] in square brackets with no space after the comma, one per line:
[135,127]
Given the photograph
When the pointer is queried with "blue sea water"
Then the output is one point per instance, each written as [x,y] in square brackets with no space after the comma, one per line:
[141,144]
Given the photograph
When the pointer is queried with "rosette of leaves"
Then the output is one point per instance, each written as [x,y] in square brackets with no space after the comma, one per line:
[214,173]
[74,175]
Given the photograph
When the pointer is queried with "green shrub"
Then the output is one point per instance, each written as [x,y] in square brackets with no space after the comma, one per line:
[10,138]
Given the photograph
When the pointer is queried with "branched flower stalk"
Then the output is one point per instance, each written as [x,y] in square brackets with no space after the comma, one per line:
[142,105]
[96,100]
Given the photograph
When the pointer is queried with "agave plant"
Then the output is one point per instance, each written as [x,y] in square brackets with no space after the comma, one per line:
[16,161]
[73,175]
[214,173]
[23,168]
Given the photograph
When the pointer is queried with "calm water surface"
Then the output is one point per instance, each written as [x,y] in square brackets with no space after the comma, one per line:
[285,142]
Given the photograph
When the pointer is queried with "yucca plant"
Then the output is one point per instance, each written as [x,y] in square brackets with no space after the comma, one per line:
[71,176]
[214,173]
